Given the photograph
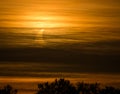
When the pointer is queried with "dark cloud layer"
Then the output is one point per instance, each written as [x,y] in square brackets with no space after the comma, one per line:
[82,62]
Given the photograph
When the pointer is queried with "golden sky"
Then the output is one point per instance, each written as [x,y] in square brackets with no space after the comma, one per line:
[70,21]
[59,13]
[74,31]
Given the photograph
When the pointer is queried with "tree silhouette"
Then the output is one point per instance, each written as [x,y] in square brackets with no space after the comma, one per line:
[8,90]
[62,86]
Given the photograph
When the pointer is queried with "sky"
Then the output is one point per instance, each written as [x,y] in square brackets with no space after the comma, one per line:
[80,35]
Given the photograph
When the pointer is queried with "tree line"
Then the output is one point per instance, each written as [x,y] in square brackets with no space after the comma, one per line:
[62,86]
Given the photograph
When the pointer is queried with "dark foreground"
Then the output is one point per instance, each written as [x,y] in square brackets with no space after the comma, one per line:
[63,86]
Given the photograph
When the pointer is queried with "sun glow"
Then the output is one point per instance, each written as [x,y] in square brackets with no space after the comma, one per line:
[50,21]
[42,30]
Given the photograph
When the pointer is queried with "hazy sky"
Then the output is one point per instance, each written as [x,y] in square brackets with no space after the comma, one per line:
[84,32]
[63,13]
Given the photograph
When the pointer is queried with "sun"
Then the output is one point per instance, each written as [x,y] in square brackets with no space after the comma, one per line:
[39,38]
[42,30]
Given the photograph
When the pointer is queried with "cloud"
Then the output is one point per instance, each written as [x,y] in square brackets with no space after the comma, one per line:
[85,62]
